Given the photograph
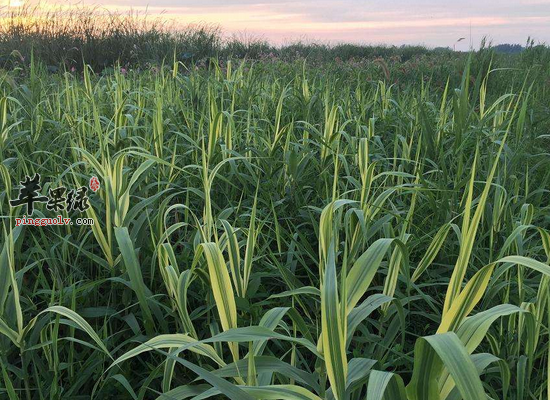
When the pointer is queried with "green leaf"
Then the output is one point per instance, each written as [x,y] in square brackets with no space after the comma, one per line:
[134,271]
[178,341]
[224,387]
[184,392]
[80,322]
[272,392]
[363,270]
[270,320]
[360,313]
[358,370]
[12,395]
[10,333]
[303,290]
[258,333]
[221,286]
[431,355]
[333,330]
[267,364]
[385,386]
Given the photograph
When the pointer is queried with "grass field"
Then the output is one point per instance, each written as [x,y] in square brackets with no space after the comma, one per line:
[280,229]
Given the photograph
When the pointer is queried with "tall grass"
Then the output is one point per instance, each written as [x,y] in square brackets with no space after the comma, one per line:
[280,230]
[67,38]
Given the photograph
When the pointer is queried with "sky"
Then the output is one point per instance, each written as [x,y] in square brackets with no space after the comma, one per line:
[396,22]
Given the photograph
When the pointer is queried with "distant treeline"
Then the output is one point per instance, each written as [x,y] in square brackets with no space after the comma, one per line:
[508,48]
[68,39]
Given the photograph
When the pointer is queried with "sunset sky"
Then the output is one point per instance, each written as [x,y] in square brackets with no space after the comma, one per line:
[428,22]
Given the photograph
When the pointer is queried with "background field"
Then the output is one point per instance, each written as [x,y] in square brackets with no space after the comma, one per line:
[300,223]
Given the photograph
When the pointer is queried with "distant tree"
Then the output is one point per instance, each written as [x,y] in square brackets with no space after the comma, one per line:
[507,48]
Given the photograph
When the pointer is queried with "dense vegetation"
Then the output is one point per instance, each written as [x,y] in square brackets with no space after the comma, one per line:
[280,229]
[67,39]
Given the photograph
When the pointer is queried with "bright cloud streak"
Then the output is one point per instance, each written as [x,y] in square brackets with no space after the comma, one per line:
[430,22]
